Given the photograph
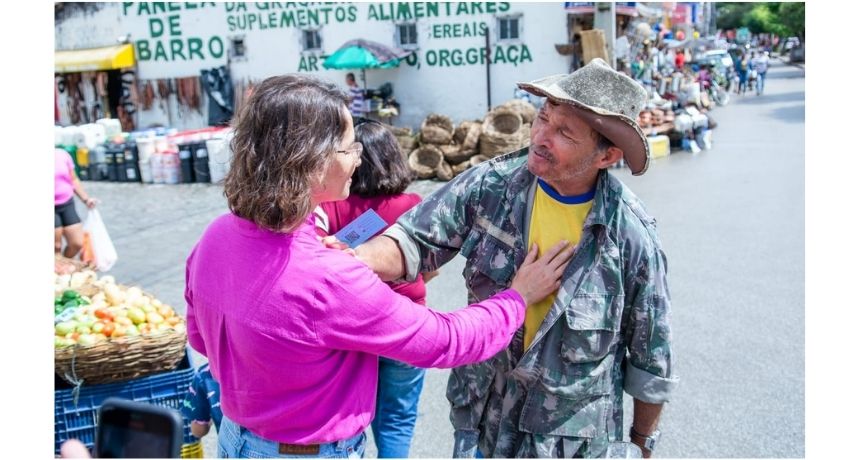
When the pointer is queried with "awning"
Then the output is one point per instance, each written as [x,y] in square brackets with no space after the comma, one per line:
[107,58]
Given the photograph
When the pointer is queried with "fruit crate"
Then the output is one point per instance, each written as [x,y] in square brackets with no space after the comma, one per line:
[78,419]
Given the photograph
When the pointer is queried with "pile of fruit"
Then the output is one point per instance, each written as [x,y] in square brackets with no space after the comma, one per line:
[89,310]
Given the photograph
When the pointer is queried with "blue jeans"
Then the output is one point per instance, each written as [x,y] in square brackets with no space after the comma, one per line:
[235,441]
[759,83]
[396,407]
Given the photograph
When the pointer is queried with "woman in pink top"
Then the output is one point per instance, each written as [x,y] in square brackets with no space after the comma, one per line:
[66,221]
[293,329]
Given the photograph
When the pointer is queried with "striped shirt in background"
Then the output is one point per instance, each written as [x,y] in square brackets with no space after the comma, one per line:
[356,107]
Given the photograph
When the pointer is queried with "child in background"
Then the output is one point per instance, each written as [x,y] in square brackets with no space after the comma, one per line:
[202,404]
[378,184]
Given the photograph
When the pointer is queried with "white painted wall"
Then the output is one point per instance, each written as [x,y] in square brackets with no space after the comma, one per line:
[164,37]
[90,26]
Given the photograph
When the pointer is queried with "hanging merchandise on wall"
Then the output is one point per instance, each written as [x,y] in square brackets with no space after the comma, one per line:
[242,92]
[128,101]
[148,94]
[188,90]
[219,87]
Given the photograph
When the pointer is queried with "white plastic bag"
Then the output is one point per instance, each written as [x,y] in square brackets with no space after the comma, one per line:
[103,250]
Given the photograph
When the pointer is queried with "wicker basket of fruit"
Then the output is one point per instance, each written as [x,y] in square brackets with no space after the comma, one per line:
[106,332]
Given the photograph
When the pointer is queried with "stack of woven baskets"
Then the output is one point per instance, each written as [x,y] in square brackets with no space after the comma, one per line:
[442,151]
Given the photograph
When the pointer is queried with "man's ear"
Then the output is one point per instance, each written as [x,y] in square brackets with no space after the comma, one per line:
[609,157]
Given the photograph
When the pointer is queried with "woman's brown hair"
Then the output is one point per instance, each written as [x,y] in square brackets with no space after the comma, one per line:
[284,138]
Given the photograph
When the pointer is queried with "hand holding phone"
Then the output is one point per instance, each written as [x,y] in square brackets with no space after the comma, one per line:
[128,429]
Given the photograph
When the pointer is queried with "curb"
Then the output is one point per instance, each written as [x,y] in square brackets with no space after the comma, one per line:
[799,65]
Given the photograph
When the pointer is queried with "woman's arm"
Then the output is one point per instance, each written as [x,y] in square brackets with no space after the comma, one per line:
[79,189]
[364,314]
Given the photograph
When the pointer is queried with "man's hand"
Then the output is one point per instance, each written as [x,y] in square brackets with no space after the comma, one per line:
[539,277]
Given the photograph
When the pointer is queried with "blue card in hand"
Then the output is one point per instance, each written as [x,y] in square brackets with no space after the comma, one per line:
[361,229]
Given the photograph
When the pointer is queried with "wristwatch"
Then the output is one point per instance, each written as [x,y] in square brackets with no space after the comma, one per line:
[649,442]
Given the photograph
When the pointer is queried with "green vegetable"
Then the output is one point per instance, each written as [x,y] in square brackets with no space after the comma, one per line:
[69,299]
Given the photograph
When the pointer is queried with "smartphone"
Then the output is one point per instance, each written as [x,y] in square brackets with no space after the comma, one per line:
[128,429]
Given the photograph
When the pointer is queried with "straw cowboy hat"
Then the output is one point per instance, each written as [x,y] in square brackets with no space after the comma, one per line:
[608,101]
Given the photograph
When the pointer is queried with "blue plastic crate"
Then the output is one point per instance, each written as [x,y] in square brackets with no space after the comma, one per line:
[77,420]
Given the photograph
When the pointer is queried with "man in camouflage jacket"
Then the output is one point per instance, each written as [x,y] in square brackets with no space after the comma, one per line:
[608,329]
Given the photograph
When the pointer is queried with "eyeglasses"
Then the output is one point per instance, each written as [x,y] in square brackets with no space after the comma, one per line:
[355,149]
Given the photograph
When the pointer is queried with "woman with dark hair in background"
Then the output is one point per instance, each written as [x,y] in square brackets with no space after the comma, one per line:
[293,329]
[379,184]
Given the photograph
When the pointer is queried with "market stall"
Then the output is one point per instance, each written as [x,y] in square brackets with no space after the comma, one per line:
[112,340]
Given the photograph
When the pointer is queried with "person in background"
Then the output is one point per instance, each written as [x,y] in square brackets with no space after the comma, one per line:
[356,97]
[679,59]
[293,330]
[742,68]
[760,64]
[379,184]
[202,403]
[67,224]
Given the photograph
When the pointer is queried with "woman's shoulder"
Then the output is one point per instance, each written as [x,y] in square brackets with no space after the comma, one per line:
[403,199]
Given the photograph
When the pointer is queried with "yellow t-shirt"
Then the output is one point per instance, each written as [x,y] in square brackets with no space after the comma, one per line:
[554,218]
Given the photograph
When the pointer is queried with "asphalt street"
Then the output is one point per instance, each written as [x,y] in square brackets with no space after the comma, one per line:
[731,220]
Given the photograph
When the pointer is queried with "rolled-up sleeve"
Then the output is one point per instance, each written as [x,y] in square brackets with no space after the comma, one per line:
[649,371]
[410,250]
[432,232]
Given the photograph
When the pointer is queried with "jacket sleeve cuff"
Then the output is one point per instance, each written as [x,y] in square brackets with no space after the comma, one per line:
[648,387]
[411,254]
[465,444]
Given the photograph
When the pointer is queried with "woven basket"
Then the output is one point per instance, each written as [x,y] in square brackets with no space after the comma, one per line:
[434,119]
[398,131]
[470,143]
[527,111]
[525,135]
[453,154]
[437,129]
[407,142]
[120,359]
[502,132]
[462,130]
[477,159]
[444,172]
[424,160]
[502,120]
[461,167]
[435,135]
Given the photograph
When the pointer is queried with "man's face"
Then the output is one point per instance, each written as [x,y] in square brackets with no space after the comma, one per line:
[563,149]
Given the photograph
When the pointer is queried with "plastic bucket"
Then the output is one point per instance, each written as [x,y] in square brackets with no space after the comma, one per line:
[186,164]
[219,159]
[170,165]
[132,171]
[145,148]
[155,162]
[145,172]
[200,157]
